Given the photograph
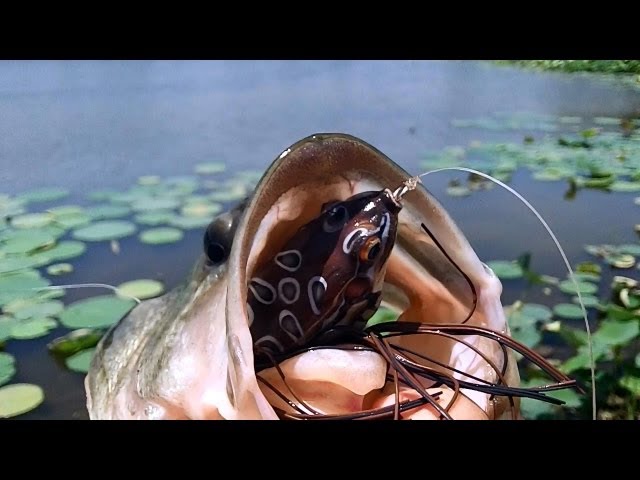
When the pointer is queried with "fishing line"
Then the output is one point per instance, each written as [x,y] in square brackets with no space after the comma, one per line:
[411,184]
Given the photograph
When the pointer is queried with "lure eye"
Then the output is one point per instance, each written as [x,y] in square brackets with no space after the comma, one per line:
[370,250]
[335,219]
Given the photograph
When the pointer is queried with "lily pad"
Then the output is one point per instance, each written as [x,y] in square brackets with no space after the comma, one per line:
[615,332]
[65,250]
[568,310]
[75,341]
[6,323]
[141,289]
[33,328]
[12,264]
[20,284]
[43,195]
[152,204]
[154,218]
[209,168]
[624,186]
[96,312]
[620,260]
[201,209]
[589,301]
[73,220]
[31,220]
[506,270]
[103,212]
[162,235]
[188,223]
[27,241]
[149,180]
[7,367]
[630,249]
[59,269]
[585,288]
[631,383]
[35,308]
[81,361]
[537,311]
[19,398]
[528,336]
[105,230]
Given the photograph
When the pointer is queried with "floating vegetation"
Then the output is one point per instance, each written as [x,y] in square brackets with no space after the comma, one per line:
[105,230]
[161,235]
[80,361]
[19,398]
[141,289]
[96,312]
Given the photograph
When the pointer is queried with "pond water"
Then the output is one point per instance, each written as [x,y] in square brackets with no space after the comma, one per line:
[86,126]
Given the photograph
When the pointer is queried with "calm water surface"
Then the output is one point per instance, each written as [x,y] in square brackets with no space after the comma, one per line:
[95,125]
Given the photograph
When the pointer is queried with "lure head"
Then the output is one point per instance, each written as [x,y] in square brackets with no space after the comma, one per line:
[330,271]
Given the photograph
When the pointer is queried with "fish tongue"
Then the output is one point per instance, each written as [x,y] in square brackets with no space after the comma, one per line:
[331,381]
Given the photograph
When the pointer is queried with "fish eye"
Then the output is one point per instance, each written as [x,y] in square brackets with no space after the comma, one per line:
[215,253]
[215,243]
[335,219]
[370,250]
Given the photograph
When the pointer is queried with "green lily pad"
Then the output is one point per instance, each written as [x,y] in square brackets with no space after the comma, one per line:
[630,249]
[59,269]
[75,341]
[20,284]
[31,220]
[624,186]
[7,367]
[81,361]
[585,288]
[209,168]
[161,235]
[548,176]
[615,332]
[33,328]
[537,311]
[577,362]
[606,121]
[35,308]
[64,210]
[12,264]
[73,220]
[188,223]
[235,192]
[149,180]
[568,310]
[103,212]
[506,270]
[201,209]
[19,398]
[6,323]
[152,204]
[141,289]
[620,260]
[569,397]
[27,241]
[43,195]
[631,383]
[65,250]
[105,230]
[589,301]
[96,312]
[529,335]
[154,218]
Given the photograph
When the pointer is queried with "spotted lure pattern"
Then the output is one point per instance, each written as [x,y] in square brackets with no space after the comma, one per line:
[329,272]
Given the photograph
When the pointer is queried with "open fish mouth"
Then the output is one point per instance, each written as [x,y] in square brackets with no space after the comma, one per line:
[449,355]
